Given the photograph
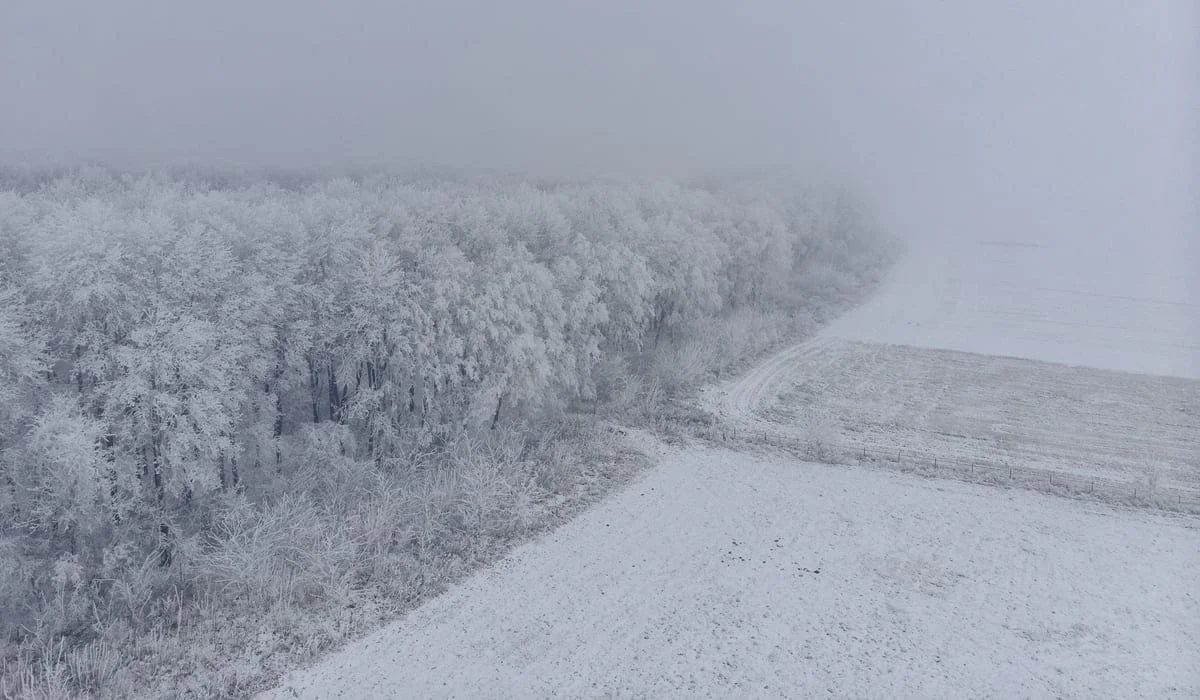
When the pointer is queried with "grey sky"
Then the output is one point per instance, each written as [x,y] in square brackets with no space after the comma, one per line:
[1033,115]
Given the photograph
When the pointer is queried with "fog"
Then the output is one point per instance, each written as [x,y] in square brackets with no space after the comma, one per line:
[1035,119]
[243,420]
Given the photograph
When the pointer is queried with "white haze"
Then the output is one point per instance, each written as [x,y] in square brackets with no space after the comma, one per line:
[1031,119]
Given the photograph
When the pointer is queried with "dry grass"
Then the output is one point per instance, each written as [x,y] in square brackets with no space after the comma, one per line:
[272,585]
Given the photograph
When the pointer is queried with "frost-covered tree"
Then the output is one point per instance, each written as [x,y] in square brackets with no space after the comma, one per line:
[22,373]
[168,338]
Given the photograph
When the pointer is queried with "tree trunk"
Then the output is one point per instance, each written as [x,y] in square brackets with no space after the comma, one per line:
[12,489]
[164,545]
[107,443]
[334,400]
[164,529]
[277,433]
[496,415]
[157,471]
[314,390]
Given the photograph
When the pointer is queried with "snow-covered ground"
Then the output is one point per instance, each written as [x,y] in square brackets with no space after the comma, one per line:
[1131,306]
[1018,421]
[1007,360]
[723,575]
[728,575]
[1019,412]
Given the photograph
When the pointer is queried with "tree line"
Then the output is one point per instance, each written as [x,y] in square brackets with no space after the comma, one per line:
[167,340]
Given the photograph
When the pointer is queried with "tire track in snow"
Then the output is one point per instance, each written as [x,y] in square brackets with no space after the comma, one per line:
[739,400]
[969,417]
[903,399]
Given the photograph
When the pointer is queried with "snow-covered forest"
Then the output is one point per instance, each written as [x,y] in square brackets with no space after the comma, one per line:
[223,390]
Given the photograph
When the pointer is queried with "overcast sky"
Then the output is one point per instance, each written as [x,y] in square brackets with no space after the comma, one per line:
[1028,115]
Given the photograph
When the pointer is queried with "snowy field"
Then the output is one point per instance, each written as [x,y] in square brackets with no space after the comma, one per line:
[729,575]
[1003,359]
[1017,418]
[723,575]
[1132,307]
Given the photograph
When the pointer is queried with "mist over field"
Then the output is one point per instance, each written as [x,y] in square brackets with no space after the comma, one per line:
[625,347]
[1030,118]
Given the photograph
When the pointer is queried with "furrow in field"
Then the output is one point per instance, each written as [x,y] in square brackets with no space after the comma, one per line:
[1103,430]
